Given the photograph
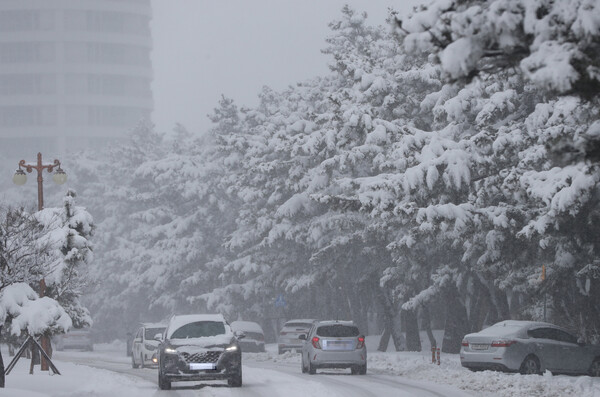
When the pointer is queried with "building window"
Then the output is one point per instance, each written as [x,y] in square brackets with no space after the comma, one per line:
[105,116]
[27,84]
[26,52]
[23,116]
[107,53]
[26,20]
[107,21]
[108,85]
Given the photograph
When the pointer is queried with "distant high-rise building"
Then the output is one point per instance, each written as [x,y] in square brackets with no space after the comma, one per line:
[73,72]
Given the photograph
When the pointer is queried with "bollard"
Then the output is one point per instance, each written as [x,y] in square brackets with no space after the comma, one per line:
[433,355]
[438,356]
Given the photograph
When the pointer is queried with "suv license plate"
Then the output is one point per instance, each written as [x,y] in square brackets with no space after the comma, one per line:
[197,366]
[479,346]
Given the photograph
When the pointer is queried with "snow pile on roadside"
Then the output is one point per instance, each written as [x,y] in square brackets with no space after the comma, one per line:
[418,366]
[77,381]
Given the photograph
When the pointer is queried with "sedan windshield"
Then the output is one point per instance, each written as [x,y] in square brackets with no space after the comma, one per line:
[151,332]
[337,331]
[199,329]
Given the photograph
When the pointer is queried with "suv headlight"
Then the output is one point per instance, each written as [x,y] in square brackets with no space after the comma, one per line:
[170,350]
[232,348]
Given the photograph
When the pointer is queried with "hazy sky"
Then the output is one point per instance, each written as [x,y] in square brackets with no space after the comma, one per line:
[205,48]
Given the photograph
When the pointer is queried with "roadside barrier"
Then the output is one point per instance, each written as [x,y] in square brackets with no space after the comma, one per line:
[438,356]
[433,355]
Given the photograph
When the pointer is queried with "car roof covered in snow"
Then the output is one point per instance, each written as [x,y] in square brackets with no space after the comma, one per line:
[300,320]
[511,327]
[154,325]
[334,322]
[246,326]
[523,324]
[178,321]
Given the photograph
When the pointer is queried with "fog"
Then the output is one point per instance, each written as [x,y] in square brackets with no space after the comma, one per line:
[204,49]
[405,187]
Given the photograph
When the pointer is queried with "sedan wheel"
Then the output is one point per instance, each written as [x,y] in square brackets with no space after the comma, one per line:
[530,366]
[302,366]
[163,382]
[235,380]
[133,364]
[311,370]
[362,370]
[595,368]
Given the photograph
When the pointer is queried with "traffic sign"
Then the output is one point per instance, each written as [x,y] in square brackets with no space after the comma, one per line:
[280,302]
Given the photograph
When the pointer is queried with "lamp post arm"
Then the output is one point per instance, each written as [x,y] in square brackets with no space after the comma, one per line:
[39,167]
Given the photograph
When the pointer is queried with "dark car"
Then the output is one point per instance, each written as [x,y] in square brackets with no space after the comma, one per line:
[199,347]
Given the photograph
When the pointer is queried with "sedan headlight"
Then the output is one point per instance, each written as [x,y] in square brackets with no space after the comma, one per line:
[232,348]
[170,350]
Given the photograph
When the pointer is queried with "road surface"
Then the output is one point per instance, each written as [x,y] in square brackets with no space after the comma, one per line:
[266,377]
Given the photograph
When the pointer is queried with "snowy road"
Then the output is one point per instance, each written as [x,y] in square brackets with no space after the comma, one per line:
[268,378]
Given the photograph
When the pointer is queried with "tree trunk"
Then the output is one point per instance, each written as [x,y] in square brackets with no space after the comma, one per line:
[413,339]
[384,341]
[392,320]
[426,323]
[480,311]
[2,376]
[457,322]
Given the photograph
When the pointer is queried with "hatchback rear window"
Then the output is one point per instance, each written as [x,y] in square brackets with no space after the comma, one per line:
[199,329]
[337,331]
[297,325]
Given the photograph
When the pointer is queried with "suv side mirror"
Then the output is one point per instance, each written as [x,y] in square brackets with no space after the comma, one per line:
[302,336]
[158,337]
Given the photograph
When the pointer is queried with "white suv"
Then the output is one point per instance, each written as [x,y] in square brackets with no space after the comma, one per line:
[144,348]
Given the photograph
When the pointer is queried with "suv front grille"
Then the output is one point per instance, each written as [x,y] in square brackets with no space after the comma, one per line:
[206,357]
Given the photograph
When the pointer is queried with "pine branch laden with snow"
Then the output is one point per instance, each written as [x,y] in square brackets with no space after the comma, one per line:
[401,181]
[22,310]
[552,42]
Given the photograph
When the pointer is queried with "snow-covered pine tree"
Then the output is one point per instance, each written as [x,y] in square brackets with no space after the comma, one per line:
[68,231]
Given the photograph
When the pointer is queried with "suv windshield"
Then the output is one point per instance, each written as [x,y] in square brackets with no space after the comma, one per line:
[151,332]
[199,329]
[337,331]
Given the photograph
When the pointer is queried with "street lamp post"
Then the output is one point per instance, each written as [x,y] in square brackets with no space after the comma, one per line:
[59,178]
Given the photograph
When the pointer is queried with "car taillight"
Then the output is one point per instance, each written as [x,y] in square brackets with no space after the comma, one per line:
[361,342]
[503,343]
[465,343]
[315,342]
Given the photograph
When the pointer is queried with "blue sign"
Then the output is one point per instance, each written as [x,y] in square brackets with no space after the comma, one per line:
[280,302]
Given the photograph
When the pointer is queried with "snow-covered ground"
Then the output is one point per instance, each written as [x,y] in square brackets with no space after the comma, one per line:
[273,371]
[418,366]
[75,381]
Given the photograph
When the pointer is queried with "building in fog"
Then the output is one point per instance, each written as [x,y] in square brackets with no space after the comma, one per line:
[74,72]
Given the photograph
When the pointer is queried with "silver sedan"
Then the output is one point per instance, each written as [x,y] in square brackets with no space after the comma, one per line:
[529,347]
[334,344]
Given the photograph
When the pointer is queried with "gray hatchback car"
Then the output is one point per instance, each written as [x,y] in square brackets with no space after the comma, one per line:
[530,348]
[334,344]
